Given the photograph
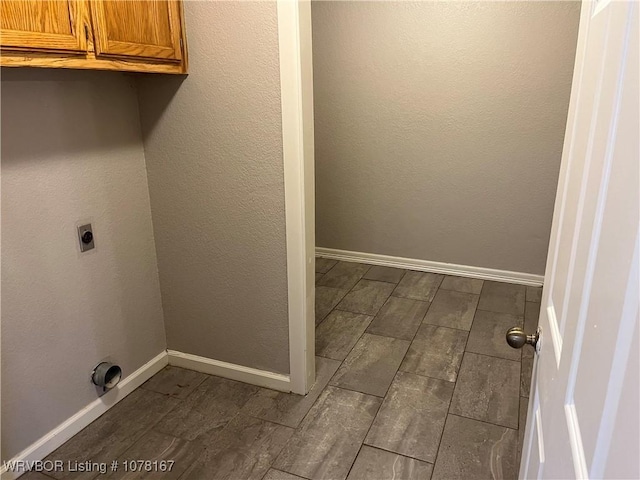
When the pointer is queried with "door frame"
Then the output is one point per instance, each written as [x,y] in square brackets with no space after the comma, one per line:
[296,91]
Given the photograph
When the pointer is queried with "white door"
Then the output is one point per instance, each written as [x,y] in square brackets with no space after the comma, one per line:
[583,417]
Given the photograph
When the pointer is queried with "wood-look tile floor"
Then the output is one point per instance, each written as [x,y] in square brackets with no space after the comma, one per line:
[413,381]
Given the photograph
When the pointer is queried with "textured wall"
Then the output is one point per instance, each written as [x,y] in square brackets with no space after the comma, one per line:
[213,146]
[439,127]
[71,149]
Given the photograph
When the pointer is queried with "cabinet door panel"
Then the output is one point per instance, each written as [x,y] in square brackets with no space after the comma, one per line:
[42,25]
[137,28]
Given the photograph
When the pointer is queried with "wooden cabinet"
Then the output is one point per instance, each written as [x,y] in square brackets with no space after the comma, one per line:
[129,35]
[137,29]
[42,24]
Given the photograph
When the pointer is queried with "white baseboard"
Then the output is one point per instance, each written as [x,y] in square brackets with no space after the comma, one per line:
[433,267]
[63,432]
[253,376]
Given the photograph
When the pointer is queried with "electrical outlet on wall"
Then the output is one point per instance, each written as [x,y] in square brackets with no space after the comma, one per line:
[86,237]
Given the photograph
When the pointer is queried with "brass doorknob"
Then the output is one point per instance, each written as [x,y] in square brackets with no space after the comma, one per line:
[516,338]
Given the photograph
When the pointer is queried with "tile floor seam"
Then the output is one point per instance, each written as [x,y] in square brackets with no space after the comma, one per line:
[278,423]
[394,375]
[403,275]
[399,369]
[337,303]
[365,435]
[411,298]
[372,280]
[493,356]
[338,288]
[415,334]
[484,283]
[352,347]
[329,358]
[483,421]
[332,266]
[314,402]
[520,397]
[418,328]
[466,342]
[338,369]
[443,428]
[399,454]
[455,382]
[358,391]
[365,331]
[435,458]
[351,289]
[359,450]
[374,315]
[336,309]
[350,350]
[407,352]
[240,413]
[361,442]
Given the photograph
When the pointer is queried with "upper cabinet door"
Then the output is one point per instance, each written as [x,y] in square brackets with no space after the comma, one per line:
[48,25]
[137,28]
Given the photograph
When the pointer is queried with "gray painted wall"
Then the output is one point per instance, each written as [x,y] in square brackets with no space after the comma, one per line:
[213,146]
[71,149]
[439,127]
